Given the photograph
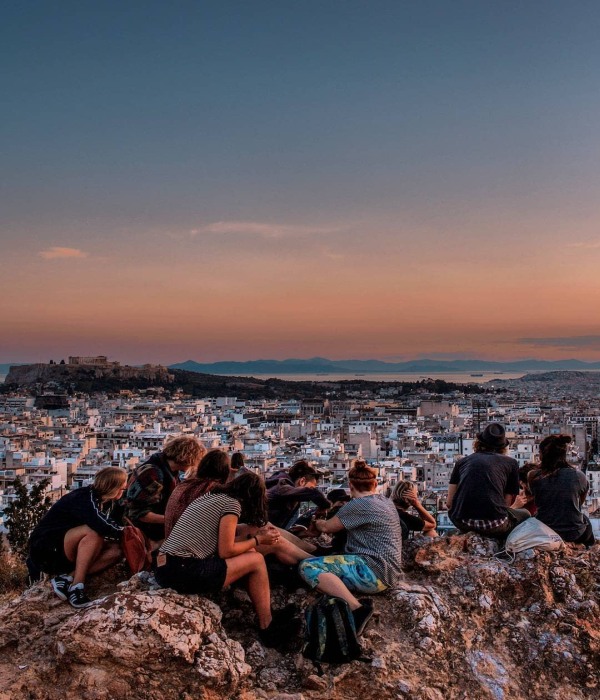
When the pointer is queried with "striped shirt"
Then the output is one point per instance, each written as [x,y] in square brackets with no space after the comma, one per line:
[196,533]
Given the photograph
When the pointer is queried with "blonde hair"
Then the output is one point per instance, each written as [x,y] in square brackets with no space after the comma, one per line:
[399,491]
[184,450]
[108,480]
[362,477]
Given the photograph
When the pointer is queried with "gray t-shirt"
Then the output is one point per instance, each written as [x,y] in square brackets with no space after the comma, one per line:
[374,532]
[558,497]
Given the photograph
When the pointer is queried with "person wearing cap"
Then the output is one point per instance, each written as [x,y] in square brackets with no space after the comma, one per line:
[484,485]
[287,490]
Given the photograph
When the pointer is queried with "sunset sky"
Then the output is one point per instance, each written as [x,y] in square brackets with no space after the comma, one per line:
[217,180]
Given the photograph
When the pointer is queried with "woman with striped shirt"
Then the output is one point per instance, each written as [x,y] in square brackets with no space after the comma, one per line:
[201,554]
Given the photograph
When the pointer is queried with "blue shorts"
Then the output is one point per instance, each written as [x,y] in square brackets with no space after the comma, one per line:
[352,569]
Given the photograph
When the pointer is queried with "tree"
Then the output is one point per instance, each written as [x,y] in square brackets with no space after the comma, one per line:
[24,513]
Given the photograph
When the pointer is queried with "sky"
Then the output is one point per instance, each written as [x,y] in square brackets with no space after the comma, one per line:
[241,180]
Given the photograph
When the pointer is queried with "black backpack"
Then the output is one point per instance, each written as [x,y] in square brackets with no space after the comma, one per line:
[330,632]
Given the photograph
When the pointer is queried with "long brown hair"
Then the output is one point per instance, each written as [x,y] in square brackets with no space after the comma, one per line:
[249,490]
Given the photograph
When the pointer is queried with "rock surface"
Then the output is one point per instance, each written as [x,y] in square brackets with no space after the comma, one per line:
[463,625]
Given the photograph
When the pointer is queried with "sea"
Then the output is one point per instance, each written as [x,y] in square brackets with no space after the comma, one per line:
[454,377]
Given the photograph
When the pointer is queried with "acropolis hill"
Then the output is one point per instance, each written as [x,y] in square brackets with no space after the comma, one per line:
[85,368]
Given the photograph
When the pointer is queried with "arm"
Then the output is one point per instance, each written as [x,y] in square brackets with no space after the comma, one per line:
[451,493]
[228,547]
[100,522]
[509,499]
[143,493]
[329,526]
[429,522]
[303,493]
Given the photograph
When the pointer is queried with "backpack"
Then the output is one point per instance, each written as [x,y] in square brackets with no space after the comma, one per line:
[330,634]
[135,548]
[532,533]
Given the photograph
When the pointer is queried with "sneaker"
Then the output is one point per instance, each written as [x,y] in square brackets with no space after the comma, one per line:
[60,585]
[362,615]
[77,597]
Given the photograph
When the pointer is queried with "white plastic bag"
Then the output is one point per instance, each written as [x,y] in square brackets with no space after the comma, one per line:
[533,533]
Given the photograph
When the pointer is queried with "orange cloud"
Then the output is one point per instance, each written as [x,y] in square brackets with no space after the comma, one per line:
[56,252]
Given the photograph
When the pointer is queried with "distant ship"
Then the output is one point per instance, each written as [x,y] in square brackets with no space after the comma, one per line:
[477,375]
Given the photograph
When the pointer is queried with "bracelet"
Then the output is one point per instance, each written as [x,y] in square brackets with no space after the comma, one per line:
[257,542]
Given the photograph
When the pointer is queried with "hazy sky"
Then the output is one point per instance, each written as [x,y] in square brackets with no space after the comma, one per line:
[241,180]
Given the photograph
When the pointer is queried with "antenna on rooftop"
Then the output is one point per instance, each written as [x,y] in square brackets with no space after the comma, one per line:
[479,409]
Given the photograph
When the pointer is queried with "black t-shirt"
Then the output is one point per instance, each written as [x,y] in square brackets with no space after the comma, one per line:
[558,497]
[483,479]
[409,522]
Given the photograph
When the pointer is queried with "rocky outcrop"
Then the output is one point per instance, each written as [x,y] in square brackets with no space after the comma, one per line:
[463,625]
[64,375]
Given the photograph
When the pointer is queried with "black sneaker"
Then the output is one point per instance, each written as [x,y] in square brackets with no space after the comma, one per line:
[77,597]
[362,615]
[284,628]
[60,585]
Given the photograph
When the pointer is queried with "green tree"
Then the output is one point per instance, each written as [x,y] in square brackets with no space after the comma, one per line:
[24,513]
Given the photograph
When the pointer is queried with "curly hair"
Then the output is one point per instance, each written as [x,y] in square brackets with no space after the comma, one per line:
[185,450]
[249,490]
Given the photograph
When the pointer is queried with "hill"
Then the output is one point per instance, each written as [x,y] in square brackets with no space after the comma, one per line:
[321,365]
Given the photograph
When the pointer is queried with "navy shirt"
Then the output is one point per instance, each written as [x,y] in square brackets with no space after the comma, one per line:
[483,479]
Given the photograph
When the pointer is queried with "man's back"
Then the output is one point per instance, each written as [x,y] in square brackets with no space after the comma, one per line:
[482,480]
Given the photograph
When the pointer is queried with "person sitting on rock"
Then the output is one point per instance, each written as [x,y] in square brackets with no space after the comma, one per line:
[78,536]
[202,554]
[287,490]
[152,483]
[213,470]
[484,485]
[372,558]
[559,491]
[404,495]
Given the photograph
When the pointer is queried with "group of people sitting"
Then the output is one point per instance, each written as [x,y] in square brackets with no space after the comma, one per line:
[210,521]
[489,494]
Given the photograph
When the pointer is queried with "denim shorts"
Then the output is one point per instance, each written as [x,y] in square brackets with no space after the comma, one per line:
[352,569]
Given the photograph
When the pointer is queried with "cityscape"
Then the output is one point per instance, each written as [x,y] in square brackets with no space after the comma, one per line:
[68,438]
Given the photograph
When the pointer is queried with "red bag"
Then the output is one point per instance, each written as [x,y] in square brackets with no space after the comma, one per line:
[135,549]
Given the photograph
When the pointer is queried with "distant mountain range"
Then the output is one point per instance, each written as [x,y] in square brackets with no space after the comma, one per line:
[321,365]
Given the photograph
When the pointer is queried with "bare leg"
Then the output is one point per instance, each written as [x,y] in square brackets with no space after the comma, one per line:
[300,544]
[334,586]
[285,551]
[252,564]
[83,546]
[110,555]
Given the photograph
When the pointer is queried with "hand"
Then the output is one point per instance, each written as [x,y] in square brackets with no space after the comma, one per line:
[270,537]
[520,501]
[412,497]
